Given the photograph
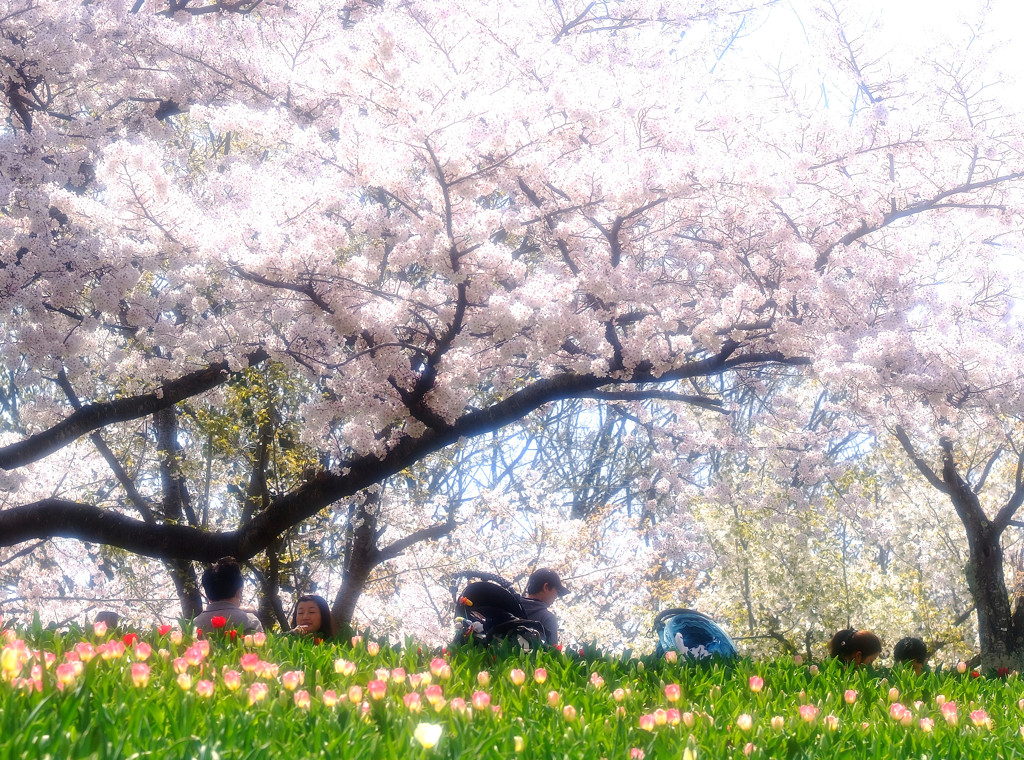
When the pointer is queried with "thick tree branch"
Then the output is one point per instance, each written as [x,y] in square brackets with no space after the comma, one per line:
[919,463]
[95,416]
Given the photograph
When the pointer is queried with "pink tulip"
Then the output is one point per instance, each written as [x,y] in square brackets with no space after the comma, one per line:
[232,679]
[355,693]
[293,679]
[184,681]
[850,696]
[831,722]
[660,717]
[673,692]
[85,650]
[483,678]
[302,700]
[372,648]
[413,702]
[398,675]
[142,651]
[674,718]
[377,689]
[619,694]
[808,713]
[749,748]
[65,674]
[437,666]
[517,676]
[596,681]
[194,656]
[140,674]
[756,683]
[259,639]
[257,692]
[180,665]
[343,667]
[204,688]
[569,713]
[926,724]
[459,705]
[480,700]
[330,698]
[647,722]
[671,656]
[980,719]
[744,722]
[250,661]
[554,698]
[434,695]
[540,675]
[778,723]
[635,753]
[100,628]
[689,719]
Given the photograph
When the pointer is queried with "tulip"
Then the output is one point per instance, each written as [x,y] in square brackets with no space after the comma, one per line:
[163,630]
[65,674]
[100,628]
[184,681]
[194,656]
[797,659]
[85,651]
[778,722]
[673,692]
[398,675]
[204,688]
[596,681]
[427,734]
[415,679]
[744,722]
[569,713]
[540,675]
[330,698]
[180,665]
[480,700]
[673,715]
[293,679]
[357,640]
[140,674]
[143,651]
[437,666]
[232,679]
[251,661]
[517,676]
[355,693]
[218,621]
[850,696]
[78,667]
[377,689]
[660,717]
[459,705]
[554,698]
[302,699]
[831,722]
[961,667]
[940,700]
[647,722]
[949,713]
[619,694]
[689,719]
[671,656]
[434,694]
[518,743]
[926,724]
[749,748]
[808,713]
[894,694]
[896,710]
[176,637]
[483,678]
[257,692]
[756,683]
[343,667]
[980,719]
[259,639]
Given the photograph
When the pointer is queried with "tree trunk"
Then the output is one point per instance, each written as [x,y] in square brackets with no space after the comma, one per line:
[183,574]
[362,556]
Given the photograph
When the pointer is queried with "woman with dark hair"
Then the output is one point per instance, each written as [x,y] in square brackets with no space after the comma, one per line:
[911,651]
[857,647]
[312,616]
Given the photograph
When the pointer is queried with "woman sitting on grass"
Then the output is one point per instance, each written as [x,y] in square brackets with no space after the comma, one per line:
[857,647]
[312,617]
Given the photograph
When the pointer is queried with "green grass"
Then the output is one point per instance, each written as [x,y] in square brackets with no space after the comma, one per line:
[101,714]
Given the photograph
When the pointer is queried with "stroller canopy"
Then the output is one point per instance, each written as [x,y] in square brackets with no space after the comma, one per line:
[693,634]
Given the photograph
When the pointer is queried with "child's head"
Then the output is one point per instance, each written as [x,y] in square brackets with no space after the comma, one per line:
[222,580]
[912,651]
[314,613]
[858,647]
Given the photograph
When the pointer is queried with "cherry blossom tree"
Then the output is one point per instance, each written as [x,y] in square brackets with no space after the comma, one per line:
[442,217]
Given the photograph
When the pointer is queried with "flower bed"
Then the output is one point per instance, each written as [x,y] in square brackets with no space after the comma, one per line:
[165,693]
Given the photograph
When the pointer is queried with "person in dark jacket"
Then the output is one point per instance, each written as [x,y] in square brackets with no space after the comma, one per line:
[543,588]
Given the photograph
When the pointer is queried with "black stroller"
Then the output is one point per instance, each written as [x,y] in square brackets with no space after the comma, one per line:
[488,610]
